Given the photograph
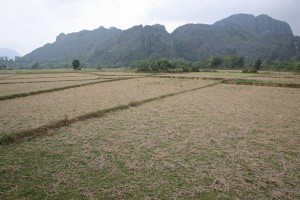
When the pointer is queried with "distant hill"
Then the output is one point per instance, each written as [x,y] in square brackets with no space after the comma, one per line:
[9,53]
[241,34]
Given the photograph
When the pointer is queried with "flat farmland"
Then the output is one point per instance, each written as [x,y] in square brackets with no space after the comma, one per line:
[295,80]
[6,75]
[24,83]
[264,77]
[37,110]
[224,141]
[48,79]
[10,89]
[45,75]
[118,73]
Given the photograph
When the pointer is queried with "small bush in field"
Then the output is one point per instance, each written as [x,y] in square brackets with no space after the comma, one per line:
[249,70]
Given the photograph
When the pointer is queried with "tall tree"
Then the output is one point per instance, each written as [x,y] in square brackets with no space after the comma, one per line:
[216,62]
[257,64]
[76,64]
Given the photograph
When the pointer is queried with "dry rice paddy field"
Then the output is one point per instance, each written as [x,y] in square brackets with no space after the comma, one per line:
[140,136]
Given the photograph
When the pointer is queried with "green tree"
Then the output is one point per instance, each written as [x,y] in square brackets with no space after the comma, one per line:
[34,65]
[216,62]
[143,66]
[76,64]
[164,65]
[2,66]
[257,64]
[196,67]
[236,62]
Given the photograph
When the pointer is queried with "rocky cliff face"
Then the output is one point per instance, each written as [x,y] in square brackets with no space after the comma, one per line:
[136,43]
[242,34]
[246,35]
[262,24]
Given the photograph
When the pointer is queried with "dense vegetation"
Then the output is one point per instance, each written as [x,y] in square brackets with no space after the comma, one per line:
[213,63]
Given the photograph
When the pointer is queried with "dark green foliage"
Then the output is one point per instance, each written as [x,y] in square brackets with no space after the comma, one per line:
[34,65]
[3,67]
[282,66]
[144,66]
[165,65]
[196,67]
[257,64]
[6,63]
[216,62]
[236,62]
[185,69]
[209,65]
[162,65]
[76,64]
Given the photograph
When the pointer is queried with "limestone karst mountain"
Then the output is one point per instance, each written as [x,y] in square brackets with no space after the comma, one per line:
[241,34]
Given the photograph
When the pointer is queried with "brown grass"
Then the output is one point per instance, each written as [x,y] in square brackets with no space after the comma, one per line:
[41,80]
[49,128]
[278,77]
[50,75]
[35,111]
[11,91]
[289,80]
[223,142]
[260,83]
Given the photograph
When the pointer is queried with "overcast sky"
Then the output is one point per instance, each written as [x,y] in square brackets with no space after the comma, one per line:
[29,24]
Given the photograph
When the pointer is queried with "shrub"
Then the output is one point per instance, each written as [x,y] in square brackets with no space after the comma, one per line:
[76,64]
[247,70]
[257,64]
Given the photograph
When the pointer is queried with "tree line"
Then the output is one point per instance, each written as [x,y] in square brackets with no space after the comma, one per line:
[172,65]
[210,64]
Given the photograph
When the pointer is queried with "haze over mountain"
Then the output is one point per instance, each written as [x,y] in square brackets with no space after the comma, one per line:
[9,53]
[241,34]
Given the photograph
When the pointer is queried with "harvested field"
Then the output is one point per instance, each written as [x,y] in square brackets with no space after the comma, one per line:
[277,79]
[34,111]
[48,79]
[5,76]
[260,83]
[112,73]
[223,142]
[9,89]
[230,75]
[50,75]
[117,77]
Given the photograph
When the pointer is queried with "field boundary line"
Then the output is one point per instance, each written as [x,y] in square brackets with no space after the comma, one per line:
[259,83]
[48,129]
[25,94]
[187,77]
[7,83]
[28,78]
[236,81]
[6,77]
